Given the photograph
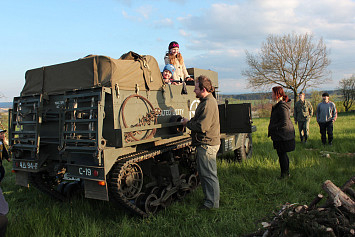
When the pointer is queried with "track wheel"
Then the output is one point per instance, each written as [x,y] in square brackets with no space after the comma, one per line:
[150,207]
[166,201]
[132,181]
[155,190]
[181,193]
[192,182]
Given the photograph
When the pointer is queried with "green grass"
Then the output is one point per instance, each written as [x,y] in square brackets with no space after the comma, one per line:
[250,192]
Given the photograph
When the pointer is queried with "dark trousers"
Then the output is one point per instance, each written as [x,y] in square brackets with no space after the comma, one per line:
[284,162]
[324,129]
[303,127]
[3,225]
[2,172]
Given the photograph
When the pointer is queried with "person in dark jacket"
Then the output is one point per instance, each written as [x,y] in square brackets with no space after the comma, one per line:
[326,116]
[281,129]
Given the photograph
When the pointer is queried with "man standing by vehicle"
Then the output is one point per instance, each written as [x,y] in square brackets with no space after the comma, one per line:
[205,133]
[302,114]
[326,116]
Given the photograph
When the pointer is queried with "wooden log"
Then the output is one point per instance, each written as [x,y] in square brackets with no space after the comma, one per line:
[338,197]
[315,201]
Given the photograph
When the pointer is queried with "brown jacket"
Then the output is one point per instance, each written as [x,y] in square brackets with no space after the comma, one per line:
[204,126]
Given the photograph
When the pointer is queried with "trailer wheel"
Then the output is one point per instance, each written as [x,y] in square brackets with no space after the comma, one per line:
[245,151]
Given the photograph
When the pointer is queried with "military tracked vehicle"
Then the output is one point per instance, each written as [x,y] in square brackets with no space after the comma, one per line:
[111,128]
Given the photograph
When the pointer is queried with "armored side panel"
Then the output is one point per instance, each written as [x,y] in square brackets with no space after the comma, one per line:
[151,116]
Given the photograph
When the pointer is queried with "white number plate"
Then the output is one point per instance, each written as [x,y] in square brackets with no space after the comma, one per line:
[28,165]
[85,171]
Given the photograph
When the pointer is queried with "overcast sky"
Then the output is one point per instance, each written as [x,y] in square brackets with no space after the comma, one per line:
[212,34]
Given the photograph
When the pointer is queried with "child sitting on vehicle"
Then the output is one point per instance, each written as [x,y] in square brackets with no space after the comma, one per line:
[168,73]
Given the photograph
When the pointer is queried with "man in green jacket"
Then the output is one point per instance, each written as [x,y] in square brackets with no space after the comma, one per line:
[303,113]
[205,134]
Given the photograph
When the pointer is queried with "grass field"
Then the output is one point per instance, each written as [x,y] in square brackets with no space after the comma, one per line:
[250,191]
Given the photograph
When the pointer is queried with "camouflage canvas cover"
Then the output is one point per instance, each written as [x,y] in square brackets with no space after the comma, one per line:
[128,72]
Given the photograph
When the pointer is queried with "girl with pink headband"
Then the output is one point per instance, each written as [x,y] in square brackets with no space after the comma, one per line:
[174,57]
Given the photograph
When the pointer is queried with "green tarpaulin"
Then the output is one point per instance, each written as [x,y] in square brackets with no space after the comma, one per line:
[128,72]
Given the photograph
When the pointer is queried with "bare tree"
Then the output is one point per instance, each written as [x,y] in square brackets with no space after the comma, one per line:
[292,61]
[347,88]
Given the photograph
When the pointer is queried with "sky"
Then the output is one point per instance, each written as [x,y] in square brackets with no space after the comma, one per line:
[212,34]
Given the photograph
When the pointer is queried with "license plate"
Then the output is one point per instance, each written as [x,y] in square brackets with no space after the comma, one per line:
[28,165]
[85,172]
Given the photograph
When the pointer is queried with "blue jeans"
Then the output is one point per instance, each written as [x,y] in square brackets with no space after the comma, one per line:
[207,168]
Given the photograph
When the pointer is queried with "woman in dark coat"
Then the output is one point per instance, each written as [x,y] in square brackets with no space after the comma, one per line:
[281,128]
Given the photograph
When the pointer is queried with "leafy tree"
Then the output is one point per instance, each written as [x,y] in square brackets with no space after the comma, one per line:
[292,61]
[316,98]
[347,88]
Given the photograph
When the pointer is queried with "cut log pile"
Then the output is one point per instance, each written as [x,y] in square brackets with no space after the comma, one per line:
[334,218]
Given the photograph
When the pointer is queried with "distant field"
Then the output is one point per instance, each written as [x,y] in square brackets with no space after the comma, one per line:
[5,104]
[250,191]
